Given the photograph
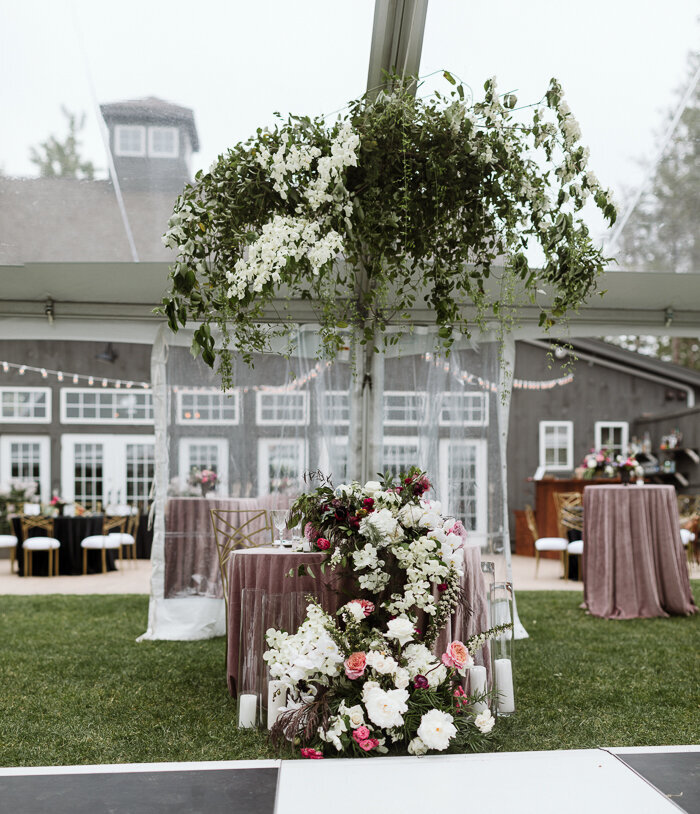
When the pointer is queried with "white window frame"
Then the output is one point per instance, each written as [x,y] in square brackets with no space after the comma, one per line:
[600,426]
[221,444]
[401,440]
[478,536]
[153,153]
[325,412]
[113,460]
[234,395]
[569,465]
[119,129]
[44,442]
[98,391]
[484,397]
[27,419]
[264,446]
[420,396]
[265,422]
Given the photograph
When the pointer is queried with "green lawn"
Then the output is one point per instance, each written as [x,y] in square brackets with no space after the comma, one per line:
[75,688]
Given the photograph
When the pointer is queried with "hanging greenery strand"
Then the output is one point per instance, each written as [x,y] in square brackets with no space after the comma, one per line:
[420,199]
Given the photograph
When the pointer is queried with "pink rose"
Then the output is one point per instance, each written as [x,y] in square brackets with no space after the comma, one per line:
[360,734]
[456,655]
[313,754]
[459,530]
[355,665]
[322,544]
[368,744]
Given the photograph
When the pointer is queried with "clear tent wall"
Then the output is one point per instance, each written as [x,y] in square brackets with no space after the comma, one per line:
[286,417]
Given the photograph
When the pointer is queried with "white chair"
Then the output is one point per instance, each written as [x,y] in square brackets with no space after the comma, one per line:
[31,544]
[559,544]
[104,542]
[9,541]
[127,538]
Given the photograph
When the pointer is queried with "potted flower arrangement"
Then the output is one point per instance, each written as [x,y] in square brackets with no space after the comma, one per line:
[598,463]
[366,681]
[628,465]
[206,479]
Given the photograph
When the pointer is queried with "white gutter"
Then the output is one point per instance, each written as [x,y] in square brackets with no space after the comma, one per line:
[641,374]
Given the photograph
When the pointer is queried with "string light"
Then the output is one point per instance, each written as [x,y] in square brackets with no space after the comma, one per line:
[75,377]
[464,377]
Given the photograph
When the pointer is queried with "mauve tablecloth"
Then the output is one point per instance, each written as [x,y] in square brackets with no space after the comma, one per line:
[267,569]
[191,561]
[633,560]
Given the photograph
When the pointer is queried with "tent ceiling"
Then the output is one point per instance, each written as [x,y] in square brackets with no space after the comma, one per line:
[110,300]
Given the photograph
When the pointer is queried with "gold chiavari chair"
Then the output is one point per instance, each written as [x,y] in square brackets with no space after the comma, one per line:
[32,543]
[570,517]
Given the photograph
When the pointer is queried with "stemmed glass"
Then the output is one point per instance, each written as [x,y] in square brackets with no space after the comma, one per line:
[279,521]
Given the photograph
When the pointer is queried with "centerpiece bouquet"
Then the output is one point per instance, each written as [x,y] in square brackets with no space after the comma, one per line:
[206,479]
[366,681]
[597,463]
[628,465]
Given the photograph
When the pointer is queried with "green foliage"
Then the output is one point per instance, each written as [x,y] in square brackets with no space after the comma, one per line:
[58,158]
[439,196]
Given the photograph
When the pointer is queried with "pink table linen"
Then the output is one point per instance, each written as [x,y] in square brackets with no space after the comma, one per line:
[191,561]
[267,569]
[633,559]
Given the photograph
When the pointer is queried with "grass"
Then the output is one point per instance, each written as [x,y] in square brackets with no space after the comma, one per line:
[75,688]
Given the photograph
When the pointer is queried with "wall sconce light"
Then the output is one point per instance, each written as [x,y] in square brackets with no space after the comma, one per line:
[48,310]
[668,317]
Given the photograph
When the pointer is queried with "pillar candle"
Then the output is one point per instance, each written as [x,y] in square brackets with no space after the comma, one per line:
[247,705]
[477,684]
[505,703]
[276,699]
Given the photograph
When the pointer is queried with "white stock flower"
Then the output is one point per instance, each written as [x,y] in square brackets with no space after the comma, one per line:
[417,747]
[402,629]
[385,708]
[436,729]
[484,721]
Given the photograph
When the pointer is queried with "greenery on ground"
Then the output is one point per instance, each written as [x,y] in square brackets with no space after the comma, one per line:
[78,689]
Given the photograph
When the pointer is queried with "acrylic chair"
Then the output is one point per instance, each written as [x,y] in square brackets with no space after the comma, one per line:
[9,541]
[570,517]
[559,544]
[32,543]
[104,542]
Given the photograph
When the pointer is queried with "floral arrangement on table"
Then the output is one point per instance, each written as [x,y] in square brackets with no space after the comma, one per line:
[628,465]
[12,496]
[597,463]
[206,479]
[365,681]
[402,200]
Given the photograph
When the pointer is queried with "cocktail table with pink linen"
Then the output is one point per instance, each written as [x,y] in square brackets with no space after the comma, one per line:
[633,560]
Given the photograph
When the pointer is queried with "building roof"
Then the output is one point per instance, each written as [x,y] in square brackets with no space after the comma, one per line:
[151,109]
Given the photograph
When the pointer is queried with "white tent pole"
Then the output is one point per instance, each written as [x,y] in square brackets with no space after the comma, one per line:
[505,381]
[159,356]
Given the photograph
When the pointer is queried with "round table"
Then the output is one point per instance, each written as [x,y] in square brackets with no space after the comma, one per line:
[633,560]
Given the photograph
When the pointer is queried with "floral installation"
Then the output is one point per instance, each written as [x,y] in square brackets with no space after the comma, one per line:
[365,681]
[401,199]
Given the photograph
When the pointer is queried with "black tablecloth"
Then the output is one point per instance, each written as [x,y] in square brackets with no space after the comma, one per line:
[69,531]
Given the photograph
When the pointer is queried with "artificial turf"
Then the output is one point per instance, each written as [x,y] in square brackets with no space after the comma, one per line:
[76,688]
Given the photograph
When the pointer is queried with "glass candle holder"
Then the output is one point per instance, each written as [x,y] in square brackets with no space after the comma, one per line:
[501,612]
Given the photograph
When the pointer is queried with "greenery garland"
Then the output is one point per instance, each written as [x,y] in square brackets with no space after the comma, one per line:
[400,201]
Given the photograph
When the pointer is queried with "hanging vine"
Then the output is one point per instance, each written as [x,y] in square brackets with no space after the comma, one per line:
[427,198]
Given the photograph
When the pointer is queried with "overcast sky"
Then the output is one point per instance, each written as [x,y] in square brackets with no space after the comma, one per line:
[234,63]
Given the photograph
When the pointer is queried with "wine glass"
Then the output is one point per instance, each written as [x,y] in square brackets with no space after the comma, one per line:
[279,521]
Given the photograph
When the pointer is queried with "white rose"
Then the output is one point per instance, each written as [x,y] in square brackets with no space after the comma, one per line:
[417,747]
[401,678]
[372,486]
[436,729]
[484,721]
[380,662]
[410,515]
[355,610]
[356,715]
[402,629]
[385,708]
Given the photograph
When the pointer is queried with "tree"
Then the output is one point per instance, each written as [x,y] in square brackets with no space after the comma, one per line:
[57,158]
[663,232]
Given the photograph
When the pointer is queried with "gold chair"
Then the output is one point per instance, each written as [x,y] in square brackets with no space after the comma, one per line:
[570,517]
[111,524]
[559,544]
[9,541]
[47,542]
[127,537]
[229,537]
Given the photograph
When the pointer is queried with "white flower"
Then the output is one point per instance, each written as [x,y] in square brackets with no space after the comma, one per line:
[401,678]
[381,662]
[385,707]
[355,714]
[402,629]
[436,729]
[355,610]
[372,486]
[381,525]
[417,747]
[410,515]
[484,721]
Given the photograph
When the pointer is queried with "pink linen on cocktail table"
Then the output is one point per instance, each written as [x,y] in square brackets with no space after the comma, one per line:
[266,569]
[633,560]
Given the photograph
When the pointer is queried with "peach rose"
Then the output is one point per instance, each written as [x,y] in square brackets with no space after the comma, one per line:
[456,655]
[355,665]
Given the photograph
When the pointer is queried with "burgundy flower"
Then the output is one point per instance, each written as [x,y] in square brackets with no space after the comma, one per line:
[354,521]
[420,682]
[322,544]
[442,586]
[368,503]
